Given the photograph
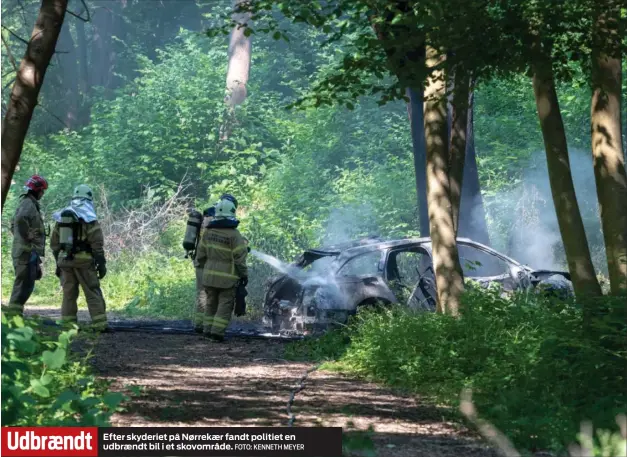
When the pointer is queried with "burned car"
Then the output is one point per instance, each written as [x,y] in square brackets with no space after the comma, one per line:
[326,285]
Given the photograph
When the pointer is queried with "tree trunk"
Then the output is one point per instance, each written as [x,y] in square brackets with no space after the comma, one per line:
[119,31]
[448,272]
[457,147]
[83,65]
[407,64]
[562,187]
[607,148]
[472,218]
[68,69]
[27,85]
[237,72]
[415,112]
[239,60]
[102,26]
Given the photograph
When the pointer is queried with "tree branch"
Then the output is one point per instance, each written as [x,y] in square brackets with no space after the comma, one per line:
[53,115]
[8,84]
[78,16]
[15,35]
[11,58]
[86,10]
[26,42]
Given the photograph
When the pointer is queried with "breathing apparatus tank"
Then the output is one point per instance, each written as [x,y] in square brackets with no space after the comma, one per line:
[66,231]
[194,222]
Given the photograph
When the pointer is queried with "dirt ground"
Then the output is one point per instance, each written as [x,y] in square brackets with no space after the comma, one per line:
[186,380]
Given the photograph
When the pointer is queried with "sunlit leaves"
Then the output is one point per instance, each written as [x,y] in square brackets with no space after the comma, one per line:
[54,360]
[41,385]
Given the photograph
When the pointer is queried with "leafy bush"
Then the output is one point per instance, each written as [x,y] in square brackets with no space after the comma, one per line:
[44,384]
[534,368]
[329,346]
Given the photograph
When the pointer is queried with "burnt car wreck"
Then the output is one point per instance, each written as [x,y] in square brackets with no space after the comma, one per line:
[326,285]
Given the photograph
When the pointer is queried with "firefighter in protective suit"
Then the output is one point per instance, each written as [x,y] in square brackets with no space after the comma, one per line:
[201,295]
[80,257]
[29,240]
[222,253]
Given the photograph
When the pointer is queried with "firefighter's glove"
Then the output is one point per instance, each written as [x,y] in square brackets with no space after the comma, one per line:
[244,281]
[33,235]
[34,264]
[102,270]
[101,266]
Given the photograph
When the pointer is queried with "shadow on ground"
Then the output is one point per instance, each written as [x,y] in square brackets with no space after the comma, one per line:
[185,380]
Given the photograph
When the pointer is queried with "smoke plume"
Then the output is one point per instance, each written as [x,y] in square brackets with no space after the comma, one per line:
[523,221]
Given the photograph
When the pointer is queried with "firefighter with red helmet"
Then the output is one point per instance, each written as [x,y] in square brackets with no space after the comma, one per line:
[29,240]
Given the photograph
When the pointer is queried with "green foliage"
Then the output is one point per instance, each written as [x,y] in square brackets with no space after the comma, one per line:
[43,383]
[535,370]
[157,285]
[302,178]
[605,443]
[383,41]
[358,442]
[327,347]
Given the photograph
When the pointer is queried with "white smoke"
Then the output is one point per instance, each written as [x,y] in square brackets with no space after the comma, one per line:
[523,221]
[348,222]
[323,285]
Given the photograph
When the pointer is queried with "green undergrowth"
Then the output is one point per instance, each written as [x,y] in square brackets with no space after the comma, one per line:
[151,285]
[535,371]
[44,382]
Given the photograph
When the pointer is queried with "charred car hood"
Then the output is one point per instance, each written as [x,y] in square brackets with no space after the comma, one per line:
[544,274]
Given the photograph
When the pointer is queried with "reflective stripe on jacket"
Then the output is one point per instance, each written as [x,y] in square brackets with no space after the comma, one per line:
[223,253]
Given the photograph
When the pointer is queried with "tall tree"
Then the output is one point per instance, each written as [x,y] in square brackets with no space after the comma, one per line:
[102,33]
[239,66]
[83,76]
[408,65]
[415,111]
[472,216]
[457,140]
[607,149]
[448,272]
[560,177]
[68,76]
[108,33]
[239,58]
[28,82]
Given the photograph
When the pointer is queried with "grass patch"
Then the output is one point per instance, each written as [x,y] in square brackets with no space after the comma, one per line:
[535,370]
[154,285]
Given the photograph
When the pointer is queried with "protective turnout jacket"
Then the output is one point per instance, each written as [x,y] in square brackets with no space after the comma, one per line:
[222,252]
[27,227]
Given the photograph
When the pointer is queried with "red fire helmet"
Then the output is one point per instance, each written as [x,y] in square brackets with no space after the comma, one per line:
[36,183]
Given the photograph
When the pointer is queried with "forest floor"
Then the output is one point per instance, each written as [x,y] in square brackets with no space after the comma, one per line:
[186,380]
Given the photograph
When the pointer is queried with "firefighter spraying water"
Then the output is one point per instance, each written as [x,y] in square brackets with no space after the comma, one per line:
[220,261]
